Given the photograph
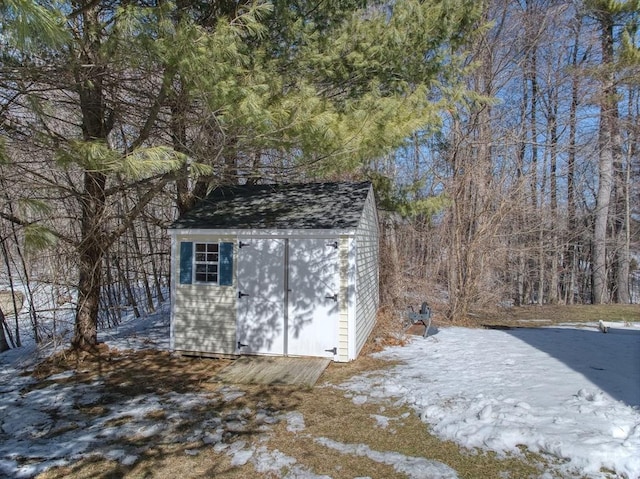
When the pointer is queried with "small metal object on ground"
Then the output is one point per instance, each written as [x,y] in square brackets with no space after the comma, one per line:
[273,370]
[423,317]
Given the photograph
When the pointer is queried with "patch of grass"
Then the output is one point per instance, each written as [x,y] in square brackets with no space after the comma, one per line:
[93,467]
[133,372]
[389,331]
[62,429]
[118,421]
[555,314]
[326,410]
[94,411]
[328,413]
[157,414]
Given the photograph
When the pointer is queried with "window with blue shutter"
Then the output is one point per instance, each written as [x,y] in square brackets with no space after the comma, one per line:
[210,263]
[186,262]
[226,264]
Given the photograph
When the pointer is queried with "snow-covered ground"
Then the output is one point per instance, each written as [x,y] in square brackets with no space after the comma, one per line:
[567,392]
[570,393]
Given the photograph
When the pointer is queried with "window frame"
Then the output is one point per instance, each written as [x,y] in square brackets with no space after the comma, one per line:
[206,262]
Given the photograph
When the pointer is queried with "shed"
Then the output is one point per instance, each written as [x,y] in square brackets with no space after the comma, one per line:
[281,269]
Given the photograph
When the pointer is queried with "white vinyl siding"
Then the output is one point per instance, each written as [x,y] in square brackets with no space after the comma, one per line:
[367,277]
[203,317]
[344,298]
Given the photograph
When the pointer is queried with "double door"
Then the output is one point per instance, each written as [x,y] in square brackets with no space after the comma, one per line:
[288,297]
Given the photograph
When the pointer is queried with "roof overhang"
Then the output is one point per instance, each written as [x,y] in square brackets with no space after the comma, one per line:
[264,233]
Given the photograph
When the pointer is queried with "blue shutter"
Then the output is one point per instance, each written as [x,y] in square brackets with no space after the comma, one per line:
[186,262]
[226,264]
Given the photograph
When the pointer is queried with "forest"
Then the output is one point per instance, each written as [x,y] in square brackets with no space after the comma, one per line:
[502,138]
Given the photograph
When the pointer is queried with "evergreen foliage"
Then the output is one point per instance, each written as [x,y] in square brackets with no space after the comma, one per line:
[123,97]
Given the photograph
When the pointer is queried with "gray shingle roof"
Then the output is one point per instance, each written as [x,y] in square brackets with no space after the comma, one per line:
[283,206]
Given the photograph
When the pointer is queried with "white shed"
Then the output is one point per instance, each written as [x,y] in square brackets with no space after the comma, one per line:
[284,270]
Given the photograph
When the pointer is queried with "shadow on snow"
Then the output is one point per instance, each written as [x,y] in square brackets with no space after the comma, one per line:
[610,361]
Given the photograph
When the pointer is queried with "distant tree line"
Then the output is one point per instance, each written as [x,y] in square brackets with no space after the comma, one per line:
[540,183]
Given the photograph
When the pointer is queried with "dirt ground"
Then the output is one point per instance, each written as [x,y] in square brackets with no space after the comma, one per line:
[259,418]
[326,411]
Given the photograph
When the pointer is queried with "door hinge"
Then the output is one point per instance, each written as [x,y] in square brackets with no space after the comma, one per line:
[241,244]
[333,244]
[334,350]
[240,345]
[334,297]
[241,294]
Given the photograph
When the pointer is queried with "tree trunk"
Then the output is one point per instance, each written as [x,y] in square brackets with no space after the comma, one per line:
[97,122]
[390,262]
[91,252]
[154,266]
[472,215]
[86,332]
[27,283]
[622,218]
[623,234]
[16,310]
[141,271]
[572,222]
[4,345]
[605,166]
[125,280]
[553,188]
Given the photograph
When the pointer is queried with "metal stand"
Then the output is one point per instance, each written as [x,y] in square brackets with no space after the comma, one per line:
[424,317]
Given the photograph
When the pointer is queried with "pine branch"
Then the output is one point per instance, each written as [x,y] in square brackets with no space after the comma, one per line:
[154,111]
[134,212]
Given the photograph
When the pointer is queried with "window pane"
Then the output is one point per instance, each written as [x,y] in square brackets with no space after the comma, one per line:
[206,262]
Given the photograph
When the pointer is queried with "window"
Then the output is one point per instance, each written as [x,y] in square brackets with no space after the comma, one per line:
[206,262]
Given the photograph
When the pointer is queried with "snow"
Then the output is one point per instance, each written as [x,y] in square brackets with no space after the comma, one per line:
[570,393]
[413,467]
[295,421]
[567,392]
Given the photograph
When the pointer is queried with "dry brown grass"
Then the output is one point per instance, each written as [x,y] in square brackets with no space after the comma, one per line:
[554,314]
[389,331]
[7,299]
[131,373]
[328,410]
[327,413]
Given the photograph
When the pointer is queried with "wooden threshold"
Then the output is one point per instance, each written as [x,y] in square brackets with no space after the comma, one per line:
[274,370]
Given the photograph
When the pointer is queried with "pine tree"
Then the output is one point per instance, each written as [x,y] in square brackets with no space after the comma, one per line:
[114,96]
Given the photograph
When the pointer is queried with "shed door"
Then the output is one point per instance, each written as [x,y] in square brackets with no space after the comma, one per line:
[260,324]
[313,299]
